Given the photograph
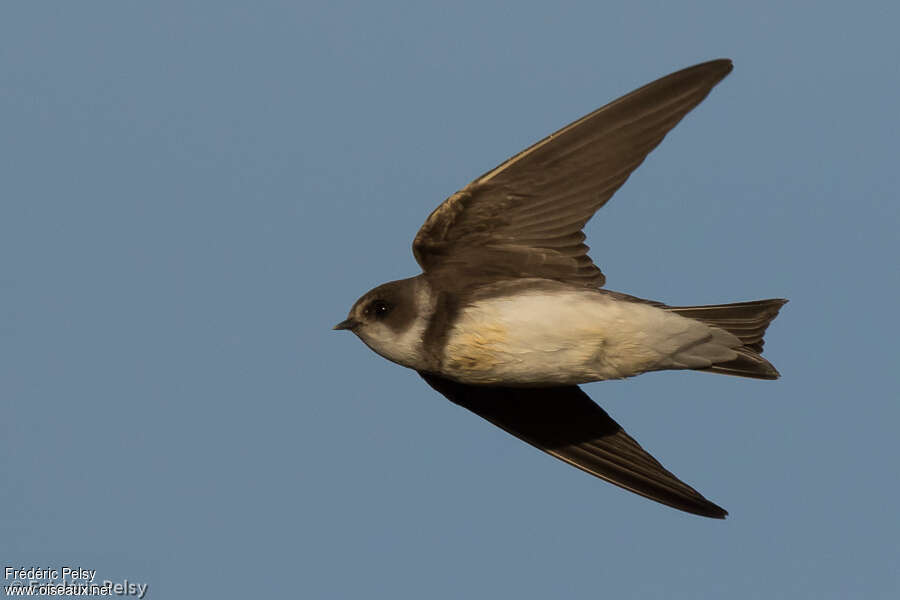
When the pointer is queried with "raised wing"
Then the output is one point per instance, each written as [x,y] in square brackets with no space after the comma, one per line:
[524,218]
[564,422]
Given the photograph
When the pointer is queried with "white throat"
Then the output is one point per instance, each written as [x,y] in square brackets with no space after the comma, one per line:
[404,347]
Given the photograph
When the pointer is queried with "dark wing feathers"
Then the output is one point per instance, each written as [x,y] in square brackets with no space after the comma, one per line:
[530,210]
[524,219]
[567,424]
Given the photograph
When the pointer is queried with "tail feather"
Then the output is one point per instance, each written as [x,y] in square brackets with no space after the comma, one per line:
[746,320]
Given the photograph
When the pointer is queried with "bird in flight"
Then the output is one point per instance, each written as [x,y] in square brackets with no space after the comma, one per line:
[509,314]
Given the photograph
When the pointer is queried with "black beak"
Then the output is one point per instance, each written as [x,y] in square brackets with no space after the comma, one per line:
[345,324]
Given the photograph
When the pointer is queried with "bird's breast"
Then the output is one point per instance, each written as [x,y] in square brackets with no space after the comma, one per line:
[557,338]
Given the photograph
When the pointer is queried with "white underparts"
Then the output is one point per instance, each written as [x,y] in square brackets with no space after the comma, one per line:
[572,337]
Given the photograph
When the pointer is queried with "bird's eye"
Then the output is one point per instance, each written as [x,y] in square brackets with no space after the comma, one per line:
[379,309]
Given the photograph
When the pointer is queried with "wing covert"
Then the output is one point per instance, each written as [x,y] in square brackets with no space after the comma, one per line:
[524,218]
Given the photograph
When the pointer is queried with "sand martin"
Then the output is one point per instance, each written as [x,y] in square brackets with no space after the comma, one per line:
[509,315]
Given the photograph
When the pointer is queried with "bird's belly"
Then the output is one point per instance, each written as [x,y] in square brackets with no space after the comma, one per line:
[552,339]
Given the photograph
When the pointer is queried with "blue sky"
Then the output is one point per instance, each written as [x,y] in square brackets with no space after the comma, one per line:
[194,193]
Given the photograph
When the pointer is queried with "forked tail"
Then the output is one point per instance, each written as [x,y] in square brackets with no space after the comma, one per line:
[746,320]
